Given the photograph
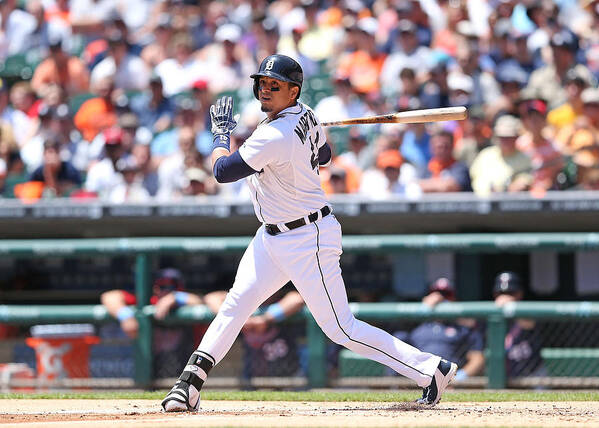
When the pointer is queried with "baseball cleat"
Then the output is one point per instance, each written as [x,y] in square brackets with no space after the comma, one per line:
[184,397]
[444,374]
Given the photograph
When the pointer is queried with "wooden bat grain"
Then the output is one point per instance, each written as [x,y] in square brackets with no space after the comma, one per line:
[410,116]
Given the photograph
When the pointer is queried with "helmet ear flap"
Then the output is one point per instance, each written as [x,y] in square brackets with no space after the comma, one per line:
[256,89]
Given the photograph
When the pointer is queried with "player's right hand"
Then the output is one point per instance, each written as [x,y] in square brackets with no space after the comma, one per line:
[221,115]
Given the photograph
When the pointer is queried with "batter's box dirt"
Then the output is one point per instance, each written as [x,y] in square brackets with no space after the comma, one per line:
[147,413]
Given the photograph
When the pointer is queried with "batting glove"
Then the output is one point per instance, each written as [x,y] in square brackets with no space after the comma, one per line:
[222,118]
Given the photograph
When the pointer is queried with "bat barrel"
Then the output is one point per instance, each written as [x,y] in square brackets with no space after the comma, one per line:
[412,116]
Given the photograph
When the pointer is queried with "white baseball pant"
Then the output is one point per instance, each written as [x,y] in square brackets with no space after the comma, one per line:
[309,257]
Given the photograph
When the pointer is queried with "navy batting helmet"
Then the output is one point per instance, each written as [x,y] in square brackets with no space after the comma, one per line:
[507,283]
[279,67]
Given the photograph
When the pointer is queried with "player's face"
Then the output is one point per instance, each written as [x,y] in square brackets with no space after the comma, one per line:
[275,95]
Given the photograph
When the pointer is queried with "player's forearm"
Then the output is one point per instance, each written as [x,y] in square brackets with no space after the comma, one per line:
[217,153]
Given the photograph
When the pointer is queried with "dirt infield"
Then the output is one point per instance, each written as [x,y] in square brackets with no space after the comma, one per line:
[146,413]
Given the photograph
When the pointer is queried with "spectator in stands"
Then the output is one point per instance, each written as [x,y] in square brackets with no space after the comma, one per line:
[460,339]
[511,78]
[522,341]
[170,344]
[577,80]
[364,66]
[548,80]
[444,172]
[147,166]
[32,152]
[360,155]
[435,92]
[547,161]
[16,119]
[99,113]
[390,177]
[129,71]
[9,151]
[334,180]
[410,54]
[102,177]
[129,184]
[17,24]
[171,172]
[232,65]
[59,177]
[182,68]
[196,182]
[155,111]
[342,104]
[69,72]
[157,50]
[502,167]
[584,133]
[475,135]
[22,98]
[415,146]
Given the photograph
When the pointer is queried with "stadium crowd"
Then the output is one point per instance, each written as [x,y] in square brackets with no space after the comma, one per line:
[109,99]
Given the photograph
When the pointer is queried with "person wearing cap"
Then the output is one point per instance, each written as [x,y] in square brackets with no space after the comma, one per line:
[232,63]
[59,177]
[102,177]
[578,78]
[410,55]
[154,110]
[471,62]
[364,66]
[502,167]
[129,71]
[522,341]
[129,186]
[547,160]
[461,339]
[390,177]
[511,78]
[170,344]
[360,154]
[549,81]
[59,68]
[444,173]
[182,68]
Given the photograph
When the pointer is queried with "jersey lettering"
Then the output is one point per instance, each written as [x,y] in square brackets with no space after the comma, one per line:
[305,123]
[314,157]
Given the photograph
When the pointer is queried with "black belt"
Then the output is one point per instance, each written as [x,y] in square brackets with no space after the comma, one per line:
[273,229]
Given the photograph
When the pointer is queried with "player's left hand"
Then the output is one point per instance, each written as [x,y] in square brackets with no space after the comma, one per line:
[221,115]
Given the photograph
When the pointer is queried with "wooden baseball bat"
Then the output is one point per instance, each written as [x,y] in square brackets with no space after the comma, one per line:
[410,116]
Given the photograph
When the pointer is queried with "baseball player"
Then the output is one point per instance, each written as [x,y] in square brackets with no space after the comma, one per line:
[299,240]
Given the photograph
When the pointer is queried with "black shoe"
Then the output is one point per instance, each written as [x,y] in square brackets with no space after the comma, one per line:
[182,398]
[444,374]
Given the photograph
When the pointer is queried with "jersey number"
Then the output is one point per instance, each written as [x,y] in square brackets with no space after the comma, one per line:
[314,148]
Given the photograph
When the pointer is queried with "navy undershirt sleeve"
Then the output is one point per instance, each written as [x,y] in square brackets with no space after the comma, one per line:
[228,169]
[324,154]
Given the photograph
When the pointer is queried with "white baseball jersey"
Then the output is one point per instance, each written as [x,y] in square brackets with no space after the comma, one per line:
[285,152]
